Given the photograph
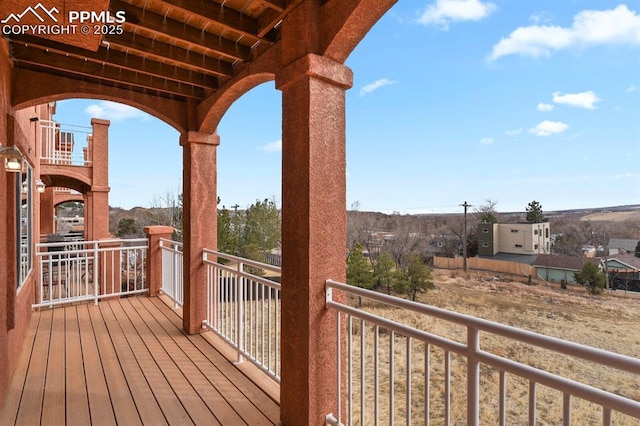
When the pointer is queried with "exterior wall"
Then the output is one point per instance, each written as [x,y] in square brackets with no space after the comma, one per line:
[486,235]
[555,275]
[523,238]
[16,128]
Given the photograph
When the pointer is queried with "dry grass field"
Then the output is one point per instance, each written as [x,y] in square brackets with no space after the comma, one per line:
[608,322]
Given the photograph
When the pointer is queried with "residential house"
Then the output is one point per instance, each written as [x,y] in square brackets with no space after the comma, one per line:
[514,238]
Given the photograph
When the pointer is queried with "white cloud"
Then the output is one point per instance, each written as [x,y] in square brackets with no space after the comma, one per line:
[632,88]
[589,28]
[583,100]
[540,17]
[548,128]
[273,146]
[514,132]
[114,111]
[375,86]
[545,107]
[486,141]
[443,12]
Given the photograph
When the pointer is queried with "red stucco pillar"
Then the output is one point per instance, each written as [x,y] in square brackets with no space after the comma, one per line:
[313,232]
[154,256]
[47,212]
[88,213]
[200,228]
[99,219]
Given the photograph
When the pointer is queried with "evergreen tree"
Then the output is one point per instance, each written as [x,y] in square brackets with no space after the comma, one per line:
[358,269]
[534,213]
[414,277]
[591,277]
[383,271]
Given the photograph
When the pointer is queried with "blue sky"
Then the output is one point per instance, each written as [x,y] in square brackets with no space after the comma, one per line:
[453,101]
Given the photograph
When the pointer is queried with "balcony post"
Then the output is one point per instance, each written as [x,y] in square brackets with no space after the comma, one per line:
[154,256]
[313,232]
[99,198]
[200,228]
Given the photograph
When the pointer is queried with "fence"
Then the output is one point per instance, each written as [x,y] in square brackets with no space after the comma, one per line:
[74,271]
[172,267]
[491,265]
[243,308]
[399,372]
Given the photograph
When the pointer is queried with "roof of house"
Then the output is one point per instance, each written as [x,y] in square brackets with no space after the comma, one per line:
[626,259]
[573,263]
[627,245]
[510,257]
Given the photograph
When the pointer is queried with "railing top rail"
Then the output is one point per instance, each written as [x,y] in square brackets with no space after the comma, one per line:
[618,361]
[172,242]
[250,262]
[261,280]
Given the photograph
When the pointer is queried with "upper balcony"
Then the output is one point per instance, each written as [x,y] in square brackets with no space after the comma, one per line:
[394,363]
[65,145]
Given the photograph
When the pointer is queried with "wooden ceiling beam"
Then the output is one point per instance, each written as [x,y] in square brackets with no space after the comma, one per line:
[125,61]
[158,24]
[277,5]
[217,14]
[167,53]
[71,65]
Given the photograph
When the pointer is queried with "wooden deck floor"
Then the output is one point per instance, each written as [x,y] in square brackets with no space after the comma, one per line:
[127,362]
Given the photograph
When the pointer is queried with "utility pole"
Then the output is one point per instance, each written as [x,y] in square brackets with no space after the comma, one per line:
[464,239]
[235,209]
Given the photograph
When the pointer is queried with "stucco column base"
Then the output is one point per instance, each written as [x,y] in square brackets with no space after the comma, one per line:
[200,228]
[154,256]
[313,234]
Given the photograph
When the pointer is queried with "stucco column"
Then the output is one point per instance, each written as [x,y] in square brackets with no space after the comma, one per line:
[200,228]
[88,213]
[313,232]
[47,212]
[100,179]
[154,256]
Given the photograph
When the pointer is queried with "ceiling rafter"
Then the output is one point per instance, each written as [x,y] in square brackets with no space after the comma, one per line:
[168,53]
[158,24]
[222,16]
[125,61]
[25,54]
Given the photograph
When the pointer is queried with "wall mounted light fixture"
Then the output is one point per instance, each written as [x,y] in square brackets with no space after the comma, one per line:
[40,186]
[12,158]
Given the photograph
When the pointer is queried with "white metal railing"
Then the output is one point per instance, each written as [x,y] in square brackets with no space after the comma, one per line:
[172,267]
[243,308]
[397,373]
[64,145]
[73,271]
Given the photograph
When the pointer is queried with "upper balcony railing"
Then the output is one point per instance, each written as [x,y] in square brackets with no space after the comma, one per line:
[63,144]
[74,271]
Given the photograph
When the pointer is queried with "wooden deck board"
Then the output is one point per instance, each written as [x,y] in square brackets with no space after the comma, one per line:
[127,361]
[76,395]
[233,386]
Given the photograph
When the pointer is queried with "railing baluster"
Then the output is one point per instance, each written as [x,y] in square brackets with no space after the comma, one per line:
[532,402]
[473,377]
[363,376]
[392,362]
[408,380]
[503,398]
[447,388]
[566,409]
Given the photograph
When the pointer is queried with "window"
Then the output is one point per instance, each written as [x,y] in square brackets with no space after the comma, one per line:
[519,245]
[535,247]
[546,234]
[485,231]
[535,232]
[485,244]
[514,230]
[24,225]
